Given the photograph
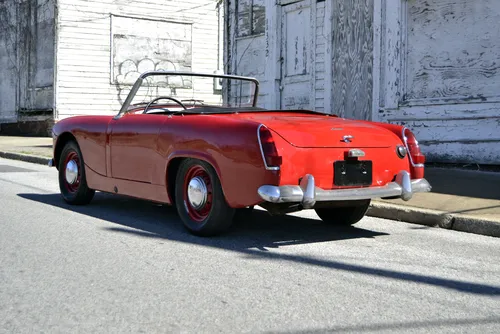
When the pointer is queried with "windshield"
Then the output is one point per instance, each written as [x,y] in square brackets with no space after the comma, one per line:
[192,90]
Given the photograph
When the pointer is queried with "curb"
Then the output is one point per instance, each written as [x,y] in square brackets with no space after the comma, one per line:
[25,157]
[435,218]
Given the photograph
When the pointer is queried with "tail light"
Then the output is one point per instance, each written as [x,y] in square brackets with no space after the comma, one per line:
[272,160]
[417,158]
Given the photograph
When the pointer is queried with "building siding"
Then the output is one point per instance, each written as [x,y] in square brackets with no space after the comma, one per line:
[97,39]
[26,58]
[441,75]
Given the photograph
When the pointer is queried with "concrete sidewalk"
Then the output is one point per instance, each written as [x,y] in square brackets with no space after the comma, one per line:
[461,200]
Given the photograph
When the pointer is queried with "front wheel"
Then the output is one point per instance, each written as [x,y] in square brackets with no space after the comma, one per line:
[199,199]
[344,216]
[72,180]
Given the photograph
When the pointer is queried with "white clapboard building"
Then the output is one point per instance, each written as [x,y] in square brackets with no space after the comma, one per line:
[60,58]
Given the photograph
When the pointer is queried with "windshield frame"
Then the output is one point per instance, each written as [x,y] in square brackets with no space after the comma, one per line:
[138,83]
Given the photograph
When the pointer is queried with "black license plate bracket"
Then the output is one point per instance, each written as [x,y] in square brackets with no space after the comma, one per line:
[352,172]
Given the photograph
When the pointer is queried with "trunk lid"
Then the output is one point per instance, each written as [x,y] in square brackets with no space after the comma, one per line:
[309,130]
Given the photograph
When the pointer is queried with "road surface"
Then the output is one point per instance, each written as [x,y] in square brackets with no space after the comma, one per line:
[125,265]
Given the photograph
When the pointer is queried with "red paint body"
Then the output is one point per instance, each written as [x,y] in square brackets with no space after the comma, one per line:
[136,153]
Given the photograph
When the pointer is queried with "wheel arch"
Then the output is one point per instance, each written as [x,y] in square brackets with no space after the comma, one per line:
[62,140]
[174,161]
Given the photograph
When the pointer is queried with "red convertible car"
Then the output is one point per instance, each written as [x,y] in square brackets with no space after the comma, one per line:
[199,142]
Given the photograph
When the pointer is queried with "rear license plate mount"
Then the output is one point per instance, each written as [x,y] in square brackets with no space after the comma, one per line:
[352,172]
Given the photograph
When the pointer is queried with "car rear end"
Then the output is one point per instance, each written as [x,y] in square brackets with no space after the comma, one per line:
[340,160]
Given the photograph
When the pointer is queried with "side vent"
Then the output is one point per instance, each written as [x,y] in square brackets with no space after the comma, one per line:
[272,160]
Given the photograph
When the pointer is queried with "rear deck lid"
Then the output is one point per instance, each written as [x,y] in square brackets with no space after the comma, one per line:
[308,130]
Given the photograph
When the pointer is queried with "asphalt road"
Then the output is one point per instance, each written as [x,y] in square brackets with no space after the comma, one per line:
[124,265]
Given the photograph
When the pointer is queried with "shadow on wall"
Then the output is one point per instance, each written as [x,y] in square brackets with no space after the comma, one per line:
[41,128]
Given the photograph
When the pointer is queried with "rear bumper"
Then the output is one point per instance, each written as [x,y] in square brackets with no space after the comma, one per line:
[308,194]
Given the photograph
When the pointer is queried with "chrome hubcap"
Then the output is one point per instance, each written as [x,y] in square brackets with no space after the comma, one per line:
[71,172]
[197,192]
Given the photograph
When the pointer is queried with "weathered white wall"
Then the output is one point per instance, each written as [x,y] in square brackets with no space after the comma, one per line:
[312,55]
[431,65]
[102,45]
[441,76]
[9,82]
[26,57]
[246,41]
[257,47]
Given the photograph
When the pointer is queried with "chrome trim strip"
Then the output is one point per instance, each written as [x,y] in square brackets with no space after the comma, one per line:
[408,149]
[308,194]
[262,151]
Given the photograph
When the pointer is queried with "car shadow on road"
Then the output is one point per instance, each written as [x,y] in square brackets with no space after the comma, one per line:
[254,230]
[253,235]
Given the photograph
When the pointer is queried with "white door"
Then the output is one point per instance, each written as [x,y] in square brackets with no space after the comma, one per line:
[296,56]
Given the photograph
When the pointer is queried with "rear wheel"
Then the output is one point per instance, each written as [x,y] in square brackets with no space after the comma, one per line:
[347,215]
[72,180]
[199,199]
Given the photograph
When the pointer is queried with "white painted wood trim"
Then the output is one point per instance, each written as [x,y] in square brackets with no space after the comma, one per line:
[312,60]
[328,26]
[56,44]
[391,53]
[273,62]
[377,53]
[111,49]
[233,34]
[403,51]
[451,112]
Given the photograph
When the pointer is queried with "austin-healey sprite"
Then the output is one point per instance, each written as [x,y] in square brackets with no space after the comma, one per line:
[200,142]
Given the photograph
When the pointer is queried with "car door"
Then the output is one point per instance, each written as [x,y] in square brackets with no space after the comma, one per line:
[134,147]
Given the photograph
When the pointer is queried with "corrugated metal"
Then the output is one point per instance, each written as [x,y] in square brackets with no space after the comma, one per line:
[97,38]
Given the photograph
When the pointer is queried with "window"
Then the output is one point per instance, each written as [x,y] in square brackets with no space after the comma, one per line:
[251,17]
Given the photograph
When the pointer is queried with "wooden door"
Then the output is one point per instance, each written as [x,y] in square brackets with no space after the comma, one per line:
[352,29]
[296,56]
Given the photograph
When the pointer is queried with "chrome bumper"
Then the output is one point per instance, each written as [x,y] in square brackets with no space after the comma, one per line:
[308,194]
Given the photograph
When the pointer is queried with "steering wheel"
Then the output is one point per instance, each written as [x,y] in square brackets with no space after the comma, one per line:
[163,97]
